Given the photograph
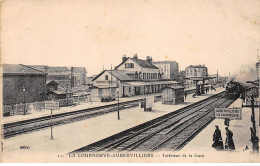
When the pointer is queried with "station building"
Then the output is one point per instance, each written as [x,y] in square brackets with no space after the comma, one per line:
[131,77]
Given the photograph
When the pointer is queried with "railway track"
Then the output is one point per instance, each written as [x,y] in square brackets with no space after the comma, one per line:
[26,126]
[170,132]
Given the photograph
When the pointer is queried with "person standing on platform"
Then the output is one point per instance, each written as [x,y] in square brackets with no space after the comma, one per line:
[185,94]
[229,144]
[217,138]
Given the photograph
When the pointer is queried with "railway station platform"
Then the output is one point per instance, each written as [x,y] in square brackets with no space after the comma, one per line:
[202,143]
[44,112]
[72,136]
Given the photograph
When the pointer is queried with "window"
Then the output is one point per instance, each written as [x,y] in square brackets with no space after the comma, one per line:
[106,77]
[129,65]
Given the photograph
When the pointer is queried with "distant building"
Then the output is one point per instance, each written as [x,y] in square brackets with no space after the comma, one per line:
[169,68]
[77,75]
[58,89]
[133,76]
[193,72]
[196,71]
[22,83]
[89,81]
[181,77]
[80,75]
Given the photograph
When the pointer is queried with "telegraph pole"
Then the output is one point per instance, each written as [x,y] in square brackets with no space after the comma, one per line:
[118,116]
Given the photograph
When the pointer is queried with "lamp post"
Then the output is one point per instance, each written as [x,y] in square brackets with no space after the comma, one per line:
[118,116]
[24,101]
[254,138]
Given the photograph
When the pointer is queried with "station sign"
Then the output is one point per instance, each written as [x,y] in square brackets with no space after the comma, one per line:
[230,113]
[52,105]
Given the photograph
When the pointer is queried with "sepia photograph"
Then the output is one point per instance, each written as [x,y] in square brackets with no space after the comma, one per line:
[130,81]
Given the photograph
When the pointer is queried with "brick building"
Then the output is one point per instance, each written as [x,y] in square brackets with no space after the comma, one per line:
[22,83]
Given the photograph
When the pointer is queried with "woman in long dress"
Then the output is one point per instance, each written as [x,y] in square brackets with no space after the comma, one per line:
[229,144]
[217,138]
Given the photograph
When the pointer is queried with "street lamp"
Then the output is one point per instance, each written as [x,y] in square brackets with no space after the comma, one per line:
[254,138]
[118,116]
[24,100]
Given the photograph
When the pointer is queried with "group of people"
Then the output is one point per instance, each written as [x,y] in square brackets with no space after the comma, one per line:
[218,142]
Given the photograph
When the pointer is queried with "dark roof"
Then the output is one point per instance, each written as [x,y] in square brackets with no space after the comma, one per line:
[140,62]
[121,75]
[164,62]
[20,69]
[174,87]
[98,75]
[196,66]
[59,92]
[43,68]
[144,63]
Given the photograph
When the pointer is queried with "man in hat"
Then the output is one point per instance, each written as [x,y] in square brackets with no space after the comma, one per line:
[217,138]
[229,144]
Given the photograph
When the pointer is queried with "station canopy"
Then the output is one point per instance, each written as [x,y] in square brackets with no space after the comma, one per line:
[150,83]
[200,78]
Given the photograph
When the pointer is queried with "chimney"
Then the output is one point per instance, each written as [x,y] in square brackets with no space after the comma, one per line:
[124,58]
[135,56]
[149,60]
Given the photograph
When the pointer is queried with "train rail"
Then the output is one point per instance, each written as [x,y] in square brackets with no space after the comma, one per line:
[169,132]
[30,125]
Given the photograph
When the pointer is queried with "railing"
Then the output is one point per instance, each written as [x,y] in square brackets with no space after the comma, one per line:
[17,109]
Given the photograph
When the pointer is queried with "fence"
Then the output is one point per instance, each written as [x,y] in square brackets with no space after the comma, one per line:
[23,108]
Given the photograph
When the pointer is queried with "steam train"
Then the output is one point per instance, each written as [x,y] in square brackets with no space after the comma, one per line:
[234,90]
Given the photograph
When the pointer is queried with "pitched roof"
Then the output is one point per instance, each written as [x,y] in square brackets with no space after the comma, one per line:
[121,75]
[140,62]
[144,63]
[99,75]
[20,69]
[44,68]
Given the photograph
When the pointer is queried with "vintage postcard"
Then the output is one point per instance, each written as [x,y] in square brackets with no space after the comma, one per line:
[130,81]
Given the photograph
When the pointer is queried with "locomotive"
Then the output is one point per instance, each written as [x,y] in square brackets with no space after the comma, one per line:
[234,90]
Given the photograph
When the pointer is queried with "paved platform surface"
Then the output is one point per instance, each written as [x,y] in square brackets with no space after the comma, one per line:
[241,135]
[84,105]
[72,136]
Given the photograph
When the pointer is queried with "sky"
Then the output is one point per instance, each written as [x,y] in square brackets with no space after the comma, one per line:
[223,35]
